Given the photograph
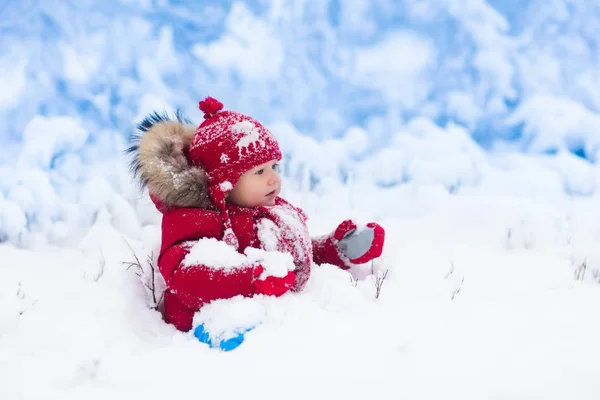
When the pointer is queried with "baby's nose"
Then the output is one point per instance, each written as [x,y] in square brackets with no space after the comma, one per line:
[273,179]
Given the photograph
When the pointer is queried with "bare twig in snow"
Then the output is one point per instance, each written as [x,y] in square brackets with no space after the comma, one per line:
[20,292]
[100,273]
[150,262]
[596,275]
[509,235]
[378,279]
[22,296]
[455,291]
[580,270]
[451,270]
[148,281]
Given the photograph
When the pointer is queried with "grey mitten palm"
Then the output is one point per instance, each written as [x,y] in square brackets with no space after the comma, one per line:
[360,244]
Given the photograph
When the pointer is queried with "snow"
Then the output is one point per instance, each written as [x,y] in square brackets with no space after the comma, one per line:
[551,123]
[13,220]
[292,238]
[13,84]
[44,138]
[275,263]
[224,318]
[214,253]
[396,66]
[479,297]
[246,128]
[468,130]
[266,231]
[81,63]
[250,133]
[462,106]
[458,307]
[226,186]
[248,47]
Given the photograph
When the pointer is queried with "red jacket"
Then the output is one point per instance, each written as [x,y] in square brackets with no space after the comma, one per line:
[189,287]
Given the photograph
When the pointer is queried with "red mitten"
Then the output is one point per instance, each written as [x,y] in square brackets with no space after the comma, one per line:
[350,244]
[360,245]
[272,285]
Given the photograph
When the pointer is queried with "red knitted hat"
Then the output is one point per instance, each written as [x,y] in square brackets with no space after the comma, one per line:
[226,145]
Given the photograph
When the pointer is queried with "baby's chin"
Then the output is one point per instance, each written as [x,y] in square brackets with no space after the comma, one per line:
[268,202]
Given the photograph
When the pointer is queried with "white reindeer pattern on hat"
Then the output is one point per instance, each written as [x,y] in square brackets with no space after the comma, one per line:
[251,134]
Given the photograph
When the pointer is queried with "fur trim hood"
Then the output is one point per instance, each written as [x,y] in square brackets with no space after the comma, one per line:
[160,164]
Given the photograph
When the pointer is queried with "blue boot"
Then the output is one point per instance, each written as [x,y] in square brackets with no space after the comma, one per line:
[226,344]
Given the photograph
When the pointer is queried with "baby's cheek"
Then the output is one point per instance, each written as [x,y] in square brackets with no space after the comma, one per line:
[258,198]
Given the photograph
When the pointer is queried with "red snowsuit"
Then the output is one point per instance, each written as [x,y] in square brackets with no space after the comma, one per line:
[189,287]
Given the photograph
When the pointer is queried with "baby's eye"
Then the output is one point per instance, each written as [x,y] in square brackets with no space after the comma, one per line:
[276,167]
[260,171]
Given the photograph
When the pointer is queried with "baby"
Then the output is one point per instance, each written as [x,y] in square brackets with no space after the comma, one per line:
[221,182]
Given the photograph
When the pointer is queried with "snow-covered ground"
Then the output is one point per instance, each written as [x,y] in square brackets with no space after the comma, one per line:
[480,302]
[469,130]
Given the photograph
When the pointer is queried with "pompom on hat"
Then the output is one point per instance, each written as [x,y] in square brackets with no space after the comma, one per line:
[226,145]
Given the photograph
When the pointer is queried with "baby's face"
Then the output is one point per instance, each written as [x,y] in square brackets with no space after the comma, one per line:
[258,186]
